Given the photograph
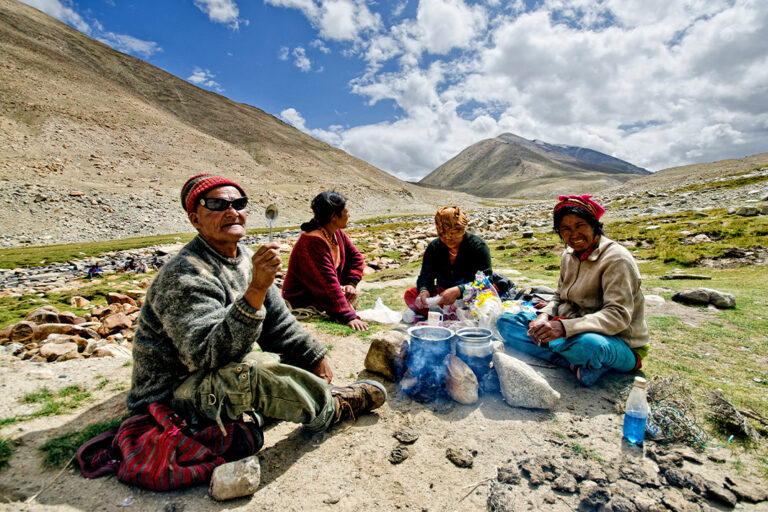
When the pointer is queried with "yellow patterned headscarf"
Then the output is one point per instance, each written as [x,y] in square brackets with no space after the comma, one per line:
[450,220]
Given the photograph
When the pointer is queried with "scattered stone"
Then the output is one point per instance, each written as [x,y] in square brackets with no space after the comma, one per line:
[406,435]
[700,239]
[113,323]
[23,332]
[593,497]
[52,351]
[685,276]
[675,501]
[717,492]
[521,386]
[460,380]
[78,302]
[44,330]
[549,498]
[332,500]
[635,472]
[565,483]
[119,298]
[747,490]
[398,454]
[235,479]
[44,315]
[704,296]
[540,469]
[384,354]
[654,300]
[620,504]
[461,457]
[508,474]
[748,211]
[112,351]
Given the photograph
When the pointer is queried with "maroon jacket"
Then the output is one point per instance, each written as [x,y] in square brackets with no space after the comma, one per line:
[312,279]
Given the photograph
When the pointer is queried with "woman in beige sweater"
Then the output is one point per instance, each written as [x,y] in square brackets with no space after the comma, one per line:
[596,320]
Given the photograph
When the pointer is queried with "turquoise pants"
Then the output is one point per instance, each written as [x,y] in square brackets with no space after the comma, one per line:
[589,349]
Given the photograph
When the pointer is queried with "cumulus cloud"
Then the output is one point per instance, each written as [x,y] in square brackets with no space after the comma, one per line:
[62,12]
[221,11]
[293,117]
[301,60]
[204,78]
[660,83]
[339,20]
[129,44]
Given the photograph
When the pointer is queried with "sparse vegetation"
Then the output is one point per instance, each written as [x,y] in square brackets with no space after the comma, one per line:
[5,452]
[61,450]
[66,399]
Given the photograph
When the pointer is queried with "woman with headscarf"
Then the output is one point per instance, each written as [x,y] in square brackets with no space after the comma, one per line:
[450,261]
[325,266]
[596,320]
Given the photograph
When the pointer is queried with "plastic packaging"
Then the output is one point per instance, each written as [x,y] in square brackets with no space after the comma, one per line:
[380,313]
[636,413]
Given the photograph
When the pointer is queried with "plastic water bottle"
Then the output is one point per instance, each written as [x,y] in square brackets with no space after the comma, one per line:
[636,413]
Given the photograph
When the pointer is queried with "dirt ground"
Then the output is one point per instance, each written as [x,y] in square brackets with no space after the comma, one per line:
[346,469]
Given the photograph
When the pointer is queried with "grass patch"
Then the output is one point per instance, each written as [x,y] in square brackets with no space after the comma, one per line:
[60,450]
[5,452]
[579,449]
[733,181]
[58,253]
[51,404]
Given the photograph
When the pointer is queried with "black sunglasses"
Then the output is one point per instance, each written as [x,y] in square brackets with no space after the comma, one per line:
[217,204]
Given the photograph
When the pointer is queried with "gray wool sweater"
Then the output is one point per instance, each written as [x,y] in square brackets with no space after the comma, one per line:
[195,318]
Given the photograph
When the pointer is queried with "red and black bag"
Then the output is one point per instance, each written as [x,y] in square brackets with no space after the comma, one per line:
[158,450]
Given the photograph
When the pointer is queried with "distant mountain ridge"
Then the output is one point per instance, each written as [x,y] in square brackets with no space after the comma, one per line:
[510,165]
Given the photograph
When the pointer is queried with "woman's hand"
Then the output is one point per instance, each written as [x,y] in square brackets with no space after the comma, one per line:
[421,300]
[323,370]
[449,296]
[358,325]
[543,330]
[350,293]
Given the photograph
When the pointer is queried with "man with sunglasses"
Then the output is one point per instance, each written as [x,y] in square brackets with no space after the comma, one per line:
[205,312]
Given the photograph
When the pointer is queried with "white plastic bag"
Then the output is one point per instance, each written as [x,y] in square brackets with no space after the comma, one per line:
[380,313]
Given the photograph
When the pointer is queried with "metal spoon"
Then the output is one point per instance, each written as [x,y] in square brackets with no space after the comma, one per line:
[271,215]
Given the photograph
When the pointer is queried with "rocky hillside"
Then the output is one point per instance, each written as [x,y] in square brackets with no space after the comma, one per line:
[509,165]
[95,144]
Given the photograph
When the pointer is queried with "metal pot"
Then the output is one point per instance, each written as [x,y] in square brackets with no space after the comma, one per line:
[429,343]
[474,342]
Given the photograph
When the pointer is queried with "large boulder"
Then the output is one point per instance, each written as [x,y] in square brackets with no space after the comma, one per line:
[23,332]
[119,298]
[385,354]
[704,296]
[53,351]
[43,315]
[460,381]
[748,211]
[45,330]
[521,385]
[114,323]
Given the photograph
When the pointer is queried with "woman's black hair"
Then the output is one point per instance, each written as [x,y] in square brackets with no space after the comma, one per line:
[573,210]
[323,206]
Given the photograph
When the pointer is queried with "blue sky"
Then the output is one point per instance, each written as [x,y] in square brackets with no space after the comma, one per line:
[408,84]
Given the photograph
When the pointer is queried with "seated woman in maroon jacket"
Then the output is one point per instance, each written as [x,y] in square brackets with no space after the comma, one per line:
[325,266]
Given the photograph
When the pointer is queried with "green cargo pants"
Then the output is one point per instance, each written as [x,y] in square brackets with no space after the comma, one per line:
[259,383]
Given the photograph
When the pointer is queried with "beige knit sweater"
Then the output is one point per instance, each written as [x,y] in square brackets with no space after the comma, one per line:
[601,294]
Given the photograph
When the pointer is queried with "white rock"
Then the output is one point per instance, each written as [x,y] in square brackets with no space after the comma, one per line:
[521,385]
[235,479]
[654,300]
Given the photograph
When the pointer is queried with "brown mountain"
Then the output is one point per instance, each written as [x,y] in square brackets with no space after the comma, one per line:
[509,165]
[96,144]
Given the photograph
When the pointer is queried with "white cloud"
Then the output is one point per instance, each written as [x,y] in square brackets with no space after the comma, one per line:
[340,20]
[292,116]
[448,24]
[221,11]
[301,60]
[61,12]
[204,78]
[129,44]
[659,83]
[320,45]
[120,42]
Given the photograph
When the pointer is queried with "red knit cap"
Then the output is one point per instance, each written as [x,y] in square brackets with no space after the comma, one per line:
[198,185]
[584,203]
